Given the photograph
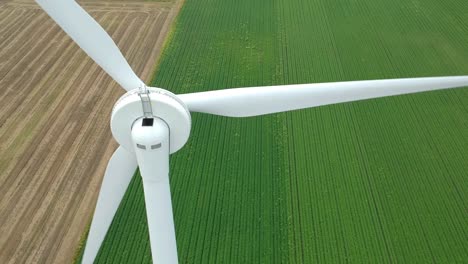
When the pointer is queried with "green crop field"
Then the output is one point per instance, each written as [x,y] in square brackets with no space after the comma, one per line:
[379,181]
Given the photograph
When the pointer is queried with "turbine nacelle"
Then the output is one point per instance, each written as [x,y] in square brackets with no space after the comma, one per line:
[165,105]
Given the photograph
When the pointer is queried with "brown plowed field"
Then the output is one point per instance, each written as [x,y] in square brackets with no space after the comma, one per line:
[55,105]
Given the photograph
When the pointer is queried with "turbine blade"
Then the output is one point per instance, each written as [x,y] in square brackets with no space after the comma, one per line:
[160,221]
[90,36]
[119,172]
[254,101]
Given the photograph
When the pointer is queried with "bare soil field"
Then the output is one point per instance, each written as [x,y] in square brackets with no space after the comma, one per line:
[55,105]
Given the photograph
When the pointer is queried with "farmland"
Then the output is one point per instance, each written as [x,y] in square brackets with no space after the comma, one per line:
[379,181]
[55,105]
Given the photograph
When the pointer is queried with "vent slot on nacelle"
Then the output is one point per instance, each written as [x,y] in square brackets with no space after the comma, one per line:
[156,146]
[141,146]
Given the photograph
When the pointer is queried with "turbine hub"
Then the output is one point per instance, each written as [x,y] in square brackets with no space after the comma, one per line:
[165,106]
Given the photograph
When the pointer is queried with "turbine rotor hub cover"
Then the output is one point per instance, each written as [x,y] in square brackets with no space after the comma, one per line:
[165,105]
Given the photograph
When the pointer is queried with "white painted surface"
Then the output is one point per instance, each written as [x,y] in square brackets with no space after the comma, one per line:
[165,105]
[154,169]
[92,38]
[254,101]
[119,173]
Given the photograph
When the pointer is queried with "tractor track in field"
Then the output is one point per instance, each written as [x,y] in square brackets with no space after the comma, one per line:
[55,105]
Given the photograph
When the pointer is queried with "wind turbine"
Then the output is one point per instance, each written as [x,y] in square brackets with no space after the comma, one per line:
[152,123]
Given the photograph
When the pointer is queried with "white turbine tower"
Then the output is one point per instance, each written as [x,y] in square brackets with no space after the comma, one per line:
[151,123]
